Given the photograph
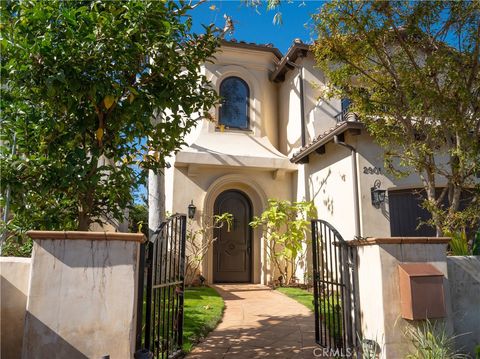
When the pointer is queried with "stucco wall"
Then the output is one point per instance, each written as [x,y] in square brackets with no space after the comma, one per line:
[82,298]
[327,179]
[289,113]
[206,184]
[14,274]
[330,187]
[379,292]
[253,67]
[464,275]
[319,111]
[376,221]
[245,160]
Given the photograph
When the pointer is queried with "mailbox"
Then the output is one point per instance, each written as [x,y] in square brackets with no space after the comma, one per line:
[421,291]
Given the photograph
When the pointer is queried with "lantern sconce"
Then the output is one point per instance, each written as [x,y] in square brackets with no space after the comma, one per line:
[378,195]
[191,210]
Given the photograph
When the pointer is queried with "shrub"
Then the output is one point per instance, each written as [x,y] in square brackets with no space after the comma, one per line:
[431,341]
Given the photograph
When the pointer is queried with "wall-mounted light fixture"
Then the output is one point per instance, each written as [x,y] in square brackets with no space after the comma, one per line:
[378,195]
[191,210]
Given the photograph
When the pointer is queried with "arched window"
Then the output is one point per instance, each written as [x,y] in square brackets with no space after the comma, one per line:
[235,97]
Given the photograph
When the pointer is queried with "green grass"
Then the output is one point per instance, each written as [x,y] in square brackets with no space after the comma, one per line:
[203,310]
[300,295]
[306,298]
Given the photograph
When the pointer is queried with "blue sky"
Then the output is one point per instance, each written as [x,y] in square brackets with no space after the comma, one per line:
[258,27]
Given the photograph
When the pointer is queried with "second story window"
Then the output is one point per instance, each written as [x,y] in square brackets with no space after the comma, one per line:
[345,114]
[235,98]
[345,104]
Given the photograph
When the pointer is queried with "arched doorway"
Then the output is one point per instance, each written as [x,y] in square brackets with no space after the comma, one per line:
[232,251]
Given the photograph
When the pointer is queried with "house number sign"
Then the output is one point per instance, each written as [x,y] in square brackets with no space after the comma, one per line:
[372,170]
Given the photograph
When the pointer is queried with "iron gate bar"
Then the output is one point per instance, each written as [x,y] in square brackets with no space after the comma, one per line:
[316,283]
[334,288]
[162,261]
[141,284]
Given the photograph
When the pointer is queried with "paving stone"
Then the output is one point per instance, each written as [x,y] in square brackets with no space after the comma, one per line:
[259,323]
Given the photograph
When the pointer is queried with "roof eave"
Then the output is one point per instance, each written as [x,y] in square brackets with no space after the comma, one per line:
[244,45]
[324,140]
[296,50]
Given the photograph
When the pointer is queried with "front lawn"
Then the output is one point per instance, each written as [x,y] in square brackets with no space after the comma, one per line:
[203,310]
[306,298]
[300,295]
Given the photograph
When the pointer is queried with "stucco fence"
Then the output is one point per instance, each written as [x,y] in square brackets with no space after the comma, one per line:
[76,297]
[14,282]
[380,293]
[464,280]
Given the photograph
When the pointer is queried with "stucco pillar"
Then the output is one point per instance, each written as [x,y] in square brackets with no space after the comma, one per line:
[14,273]
[82,295]
[379,288]
[464,274]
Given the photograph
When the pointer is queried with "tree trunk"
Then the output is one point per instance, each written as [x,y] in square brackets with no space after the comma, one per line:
[455,202]
[84,221]
[87,199]
[430,185]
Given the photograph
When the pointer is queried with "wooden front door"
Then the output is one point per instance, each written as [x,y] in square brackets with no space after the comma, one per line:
[232,249]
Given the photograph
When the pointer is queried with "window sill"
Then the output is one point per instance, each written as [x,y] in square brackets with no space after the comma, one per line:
[231,129]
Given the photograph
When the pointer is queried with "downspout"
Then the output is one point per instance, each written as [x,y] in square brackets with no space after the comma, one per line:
[302,101]
[356,202]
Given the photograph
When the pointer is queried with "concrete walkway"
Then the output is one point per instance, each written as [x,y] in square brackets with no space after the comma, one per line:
[259,322]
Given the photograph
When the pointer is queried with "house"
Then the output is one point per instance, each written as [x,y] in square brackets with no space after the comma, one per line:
[275,137]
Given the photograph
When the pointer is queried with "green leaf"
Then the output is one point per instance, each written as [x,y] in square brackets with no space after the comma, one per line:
[67,64]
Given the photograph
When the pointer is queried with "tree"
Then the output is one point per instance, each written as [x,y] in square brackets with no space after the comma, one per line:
[81,83]
[285,226]
[411,70]
[138,219]
[199,240]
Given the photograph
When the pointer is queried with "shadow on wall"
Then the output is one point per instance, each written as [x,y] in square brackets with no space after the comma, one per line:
[217,155]
[13,303]
[334,155]
[102,254]
[321,183]
[56,344]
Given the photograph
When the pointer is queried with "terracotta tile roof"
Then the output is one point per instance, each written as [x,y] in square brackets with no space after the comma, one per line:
[253,46]
[324,138]
[297,49]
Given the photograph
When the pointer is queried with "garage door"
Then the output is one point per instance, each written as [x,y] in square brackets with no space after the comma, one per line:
[406,214]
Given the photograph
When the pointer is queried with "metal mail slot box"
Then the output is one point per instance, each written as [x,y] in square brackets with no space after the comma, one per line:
[421,291]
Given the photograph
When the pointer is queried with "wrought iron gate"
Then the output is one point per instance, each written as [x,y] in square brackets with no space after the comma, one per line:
[160,295]
[334,278]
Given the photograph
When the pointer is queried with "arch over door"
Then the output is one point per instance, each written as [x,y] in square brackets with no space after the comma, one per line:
[232,249]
